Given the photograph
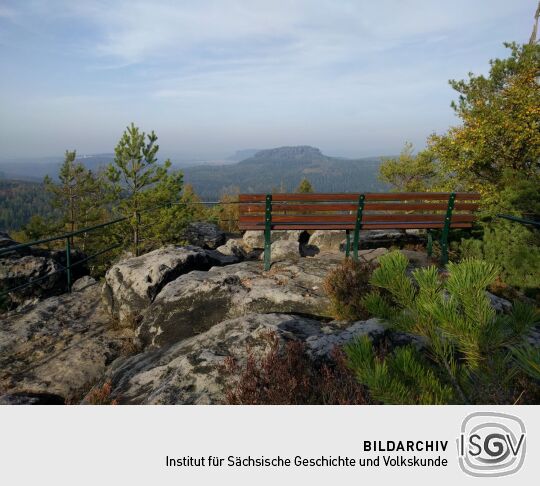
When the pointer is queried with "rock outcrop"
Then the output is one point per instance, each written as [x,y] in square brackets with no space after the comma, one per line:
[20,266]
[204,234]
[196,301]
[283,250]
[255,239]
[234,248]
[57,349]
[184,314]
[132,284]
[327,240]
[335,240]
[190,371]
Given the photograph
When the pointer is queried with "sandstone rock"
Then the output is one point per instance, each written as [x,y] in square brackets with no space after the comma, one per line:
[20,266]
[255,239]
[60,346]
[328,240]
[131,285]
[283,249]
[321,345]
[82,283]
[383,238]
[204,234]
[335,240]
[19,271]
[371,255]
[233,248]
[499,304]
[190,371]
[196,301]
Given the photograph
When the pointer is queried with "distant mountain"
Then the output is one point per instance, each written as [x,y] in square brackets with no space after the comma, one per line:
[271,169]
[242,154]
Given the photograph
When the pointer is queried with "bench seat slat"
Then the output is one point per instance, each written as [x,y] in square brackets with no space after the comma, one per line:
[372,196]
[369,206]
[349,226]
[351,218]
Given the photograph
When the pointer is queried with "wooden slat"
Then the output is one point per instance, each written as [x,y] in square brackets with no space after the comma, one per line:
[369,206]
[422,196]
[320,197]
[254,208]
[331,218]
[373,196]
[407,206]
[255,227]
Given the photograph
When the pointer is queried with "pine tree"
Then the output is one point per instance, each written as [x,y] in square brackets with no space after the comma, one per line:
[304,187]
[142,184]
[79,196]
[227,210]
[470,343]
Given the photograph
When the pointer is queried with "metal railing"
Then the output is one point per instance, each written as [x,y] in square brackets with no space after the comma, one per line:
[68,237]
[519,220]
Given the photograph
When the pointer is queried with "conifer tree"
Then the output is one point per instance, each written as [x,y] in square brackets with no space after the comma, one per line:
[304,187]
[79,196]
[146,192]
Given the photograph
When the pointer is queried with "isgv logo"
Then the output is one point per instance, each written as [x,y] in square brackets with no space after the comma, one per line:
[491,444]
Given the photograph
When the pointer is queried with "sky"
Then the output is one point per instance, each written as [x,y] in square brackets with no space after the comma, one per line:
[351,77]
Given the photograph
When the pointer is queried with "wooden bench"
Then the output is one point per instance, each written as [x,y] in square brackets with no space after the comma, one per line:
[356,212]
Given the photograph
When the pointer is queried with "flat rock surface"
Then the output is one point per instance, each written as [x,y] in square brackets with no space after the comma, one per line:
[60,346]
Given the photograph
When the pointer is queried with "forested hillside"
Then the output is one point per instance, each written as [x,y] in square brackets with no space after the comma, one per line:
[19,200]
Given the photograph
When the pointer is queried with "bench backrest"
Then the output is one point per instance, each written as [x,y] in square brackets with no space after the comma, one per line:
[412,210]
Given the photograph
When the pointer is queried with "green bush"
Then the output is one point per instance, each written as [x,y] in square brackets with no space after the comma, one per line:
[402,377]
[471,346]
[528,358]
[514,248]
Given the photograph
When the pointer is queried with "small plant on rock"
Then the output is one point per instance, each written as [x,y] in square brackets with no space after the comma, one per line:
[101,395]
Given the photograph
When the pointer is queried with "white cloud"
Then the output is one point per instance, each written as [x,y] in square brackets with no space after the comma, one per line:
[282,69]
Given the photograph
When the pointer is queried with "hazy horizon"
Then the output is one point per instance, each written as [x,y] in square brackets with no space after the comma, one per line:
[353,78]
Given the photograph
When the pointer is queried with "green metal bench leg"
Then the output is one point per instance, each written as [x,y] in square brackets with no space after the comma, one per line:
[348,244]
[268,232]
[429,243]
[358,226]
[446,229]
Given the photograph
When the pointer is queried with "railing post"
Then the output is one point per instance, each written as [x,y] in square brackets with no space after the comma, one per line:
[358,225]
[68,264]
[268,232]
[446,229]
[348,243]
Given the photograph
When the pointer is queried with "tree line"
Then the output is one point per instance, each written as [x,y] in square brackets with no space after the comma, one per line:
[149,198]
[494,151]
